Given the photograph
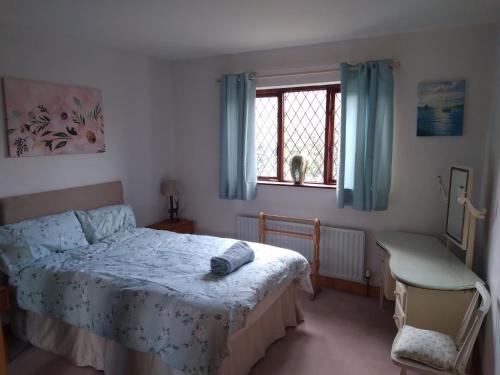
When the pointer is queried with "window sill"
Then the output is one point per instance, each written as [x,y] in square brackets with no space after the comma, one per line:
[291,184]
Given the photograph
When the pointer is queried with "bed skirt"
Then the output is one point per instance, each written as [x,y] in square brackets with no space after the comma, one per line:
[264,326]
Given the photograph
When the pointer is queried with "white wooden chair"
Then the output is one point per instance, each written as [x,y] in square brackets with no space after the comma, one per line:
[464,339]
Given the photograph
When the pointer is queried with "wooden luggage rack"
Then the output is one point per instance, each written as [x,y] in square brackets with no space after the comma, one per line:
[314,237]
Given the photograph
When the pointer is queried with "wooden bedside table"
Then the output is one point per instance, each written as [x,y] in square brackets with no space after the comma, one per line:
[4,306]
[181,226]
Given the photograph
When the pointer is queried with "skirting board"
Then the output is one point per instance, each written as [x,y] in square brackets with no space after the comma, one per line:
[348,286]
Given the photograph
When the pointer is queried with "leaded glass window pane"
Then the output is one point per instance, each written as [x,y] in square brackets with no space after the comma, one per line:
[304,131]
[266,123]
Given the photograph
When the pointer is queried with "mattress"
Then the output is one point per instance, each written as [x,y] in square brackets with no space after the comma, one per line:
[265,325]
[152,291]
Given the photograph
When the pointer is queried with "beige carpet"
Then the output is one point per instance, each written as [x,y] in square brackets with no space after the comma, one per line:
[343,334]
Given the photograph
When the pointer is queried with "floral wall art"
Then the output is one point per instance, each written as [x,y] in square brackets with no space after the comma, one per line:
[52,119]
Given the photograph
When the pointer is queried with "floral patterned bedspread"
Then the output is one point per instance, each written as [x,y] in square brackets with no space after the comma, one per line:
[153,291]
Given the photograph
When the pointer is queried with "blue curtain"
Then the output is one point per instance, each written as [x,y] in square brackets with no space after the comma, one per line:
[238,165]
[365,160]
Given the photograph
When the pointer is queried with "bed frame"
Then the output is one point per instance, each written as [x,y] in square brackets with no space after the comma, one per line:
[265,325]
[22,207]
[29,206]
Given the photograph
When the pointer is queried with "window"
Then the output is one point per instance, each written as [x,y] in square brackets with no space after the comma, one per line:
[298,120]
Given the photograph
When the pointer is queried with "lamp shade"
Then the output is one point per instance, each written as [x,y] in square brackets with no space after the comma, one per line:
[168,188]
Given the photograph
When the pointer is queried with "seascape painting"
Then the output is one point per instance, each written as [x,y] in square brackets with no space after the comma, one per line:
[52,119]
[440,108]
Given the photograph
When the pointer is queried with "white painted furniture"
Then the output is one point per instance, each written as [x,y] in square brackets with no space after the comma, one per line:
[463,339]
[432,287]
[460,229]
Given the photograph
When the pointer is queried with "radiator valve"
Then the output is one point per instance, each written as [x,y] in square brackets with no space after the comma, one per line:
[368,274]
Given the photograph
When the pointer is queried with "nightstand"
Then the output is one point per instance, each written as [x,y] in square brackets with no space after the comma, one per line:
[180,226]
[4,306]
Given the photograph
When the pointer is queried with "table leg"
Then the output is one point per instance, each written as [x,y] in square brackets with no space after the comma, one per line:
[382,283]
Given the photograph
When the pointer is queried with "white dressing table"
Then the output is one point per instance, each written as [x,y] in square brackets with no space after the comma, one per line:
[431,287]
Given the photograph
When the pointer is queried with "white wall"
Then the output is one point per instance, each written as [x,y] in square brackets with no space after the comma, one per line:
[137,116]
[415,202]
[139,102]
[488,252]
[139,106]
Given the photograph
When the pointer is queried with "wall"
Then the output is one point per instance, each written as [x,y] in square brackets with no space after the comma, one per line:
[415,202]
[138,122]
[488,251]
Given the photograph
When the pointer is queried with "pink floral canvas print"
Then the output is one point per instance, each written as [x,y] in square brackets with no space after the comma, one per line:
[52,119]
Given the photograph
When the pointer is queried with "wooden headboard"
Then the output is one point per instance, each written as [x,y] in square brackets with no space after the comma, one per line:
[22,207]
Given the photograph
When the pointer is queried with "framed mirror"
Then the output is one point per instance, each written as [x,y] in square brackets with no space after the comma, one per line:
[457,219]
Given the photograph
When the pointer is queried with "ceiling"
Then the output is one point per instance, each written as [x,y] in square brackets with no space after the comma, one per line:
[180,29]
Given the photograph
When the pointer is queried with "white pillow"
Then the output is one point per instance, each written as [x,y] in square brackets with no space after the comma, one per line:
[431,348]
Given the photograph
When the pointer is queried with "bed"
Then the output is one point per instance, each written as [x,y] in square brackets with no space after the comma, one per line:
[142,301]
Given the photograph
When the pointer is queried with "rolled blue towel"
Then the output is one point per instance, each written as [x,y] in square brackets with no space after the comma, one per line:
[233,258]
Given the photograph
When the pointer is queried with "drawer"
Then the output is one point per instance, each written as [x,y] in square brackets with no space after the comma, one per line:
[185,228]
[181,226]
[400,294]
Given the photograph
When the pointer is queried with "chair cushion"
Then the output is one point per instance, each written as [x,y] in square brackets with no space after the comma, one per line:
[431,348]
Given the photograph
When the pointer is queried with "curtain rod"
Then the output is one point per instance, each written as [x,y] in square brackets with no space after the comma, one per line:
[395,64]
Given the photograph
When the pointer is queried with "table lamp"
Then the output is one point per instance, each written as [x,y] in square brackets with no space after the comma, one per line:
[168,188]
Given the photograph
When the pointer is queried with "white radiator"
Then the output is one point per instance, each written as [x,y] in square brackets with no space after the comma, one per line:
[342,251]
